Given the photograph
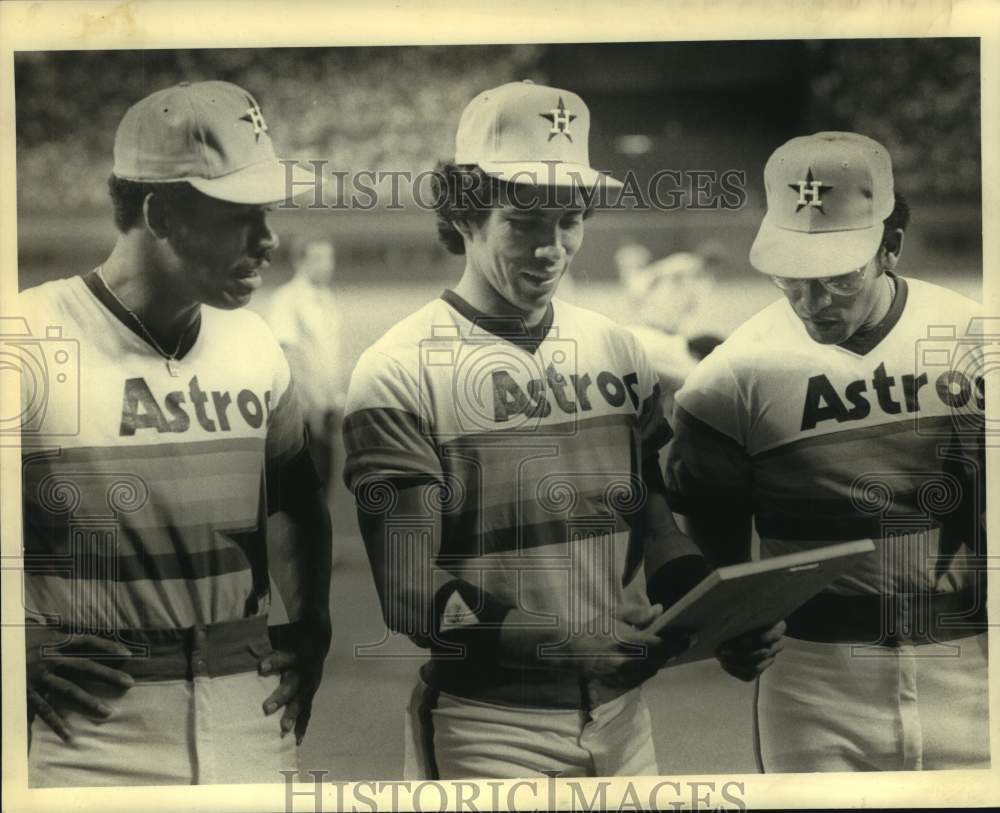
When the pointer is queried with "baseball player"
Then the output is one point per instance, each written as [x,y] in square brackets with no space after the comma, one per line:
[304,316]
[665,297]
[147,497]
[823,418]
[502,447]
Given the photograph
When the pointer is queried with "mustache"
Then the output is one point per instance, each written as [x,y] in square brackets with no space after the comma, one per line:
[258,260]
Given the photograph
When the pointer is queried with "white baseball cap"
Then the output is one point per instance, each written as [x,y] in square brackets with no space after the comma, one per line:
[212,135]
[827,197]
[532,134]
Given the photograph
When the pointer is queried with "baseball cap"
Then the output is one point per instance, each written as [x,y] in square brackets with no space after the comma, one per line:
[212,135]
[827,197]
[527,133]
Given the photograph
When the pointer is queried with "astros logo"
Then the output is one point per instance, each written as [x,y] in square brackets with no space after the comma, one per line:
[256,118]
[810,192]
[560,118]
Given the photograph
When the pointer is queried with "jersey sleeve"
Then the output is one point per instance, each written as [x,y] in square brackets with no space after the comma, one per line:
[386,432]
[708,468]
[654,430]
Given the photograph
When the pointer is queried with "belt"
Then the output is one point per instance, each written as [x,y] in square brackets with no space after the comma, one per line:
[204,650]
[520,688]
[889,619]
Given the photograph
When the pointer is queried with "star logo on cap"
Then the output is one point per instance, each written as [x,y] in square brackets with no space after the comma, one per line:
[560,118]
[256,118]
[810,192]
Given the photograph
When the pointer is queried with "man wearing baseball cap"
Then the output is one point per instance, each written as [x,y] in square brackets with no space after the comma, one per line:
[851,408]
[147,583]
[502,448]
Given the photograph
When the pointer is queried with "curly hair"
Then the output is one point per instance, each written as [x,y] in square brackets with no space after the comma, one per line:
[127,198]
[465,193]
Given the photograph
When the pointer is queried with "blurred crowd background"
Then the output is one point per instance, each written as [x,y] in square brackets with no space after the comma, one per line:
[682,106]
[685,106]
[654,105]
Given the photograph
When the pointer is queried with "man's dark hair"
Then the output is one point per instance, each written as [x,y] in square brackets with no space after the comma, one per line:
[127,198]
[461,192]
[899,218]
[464,192]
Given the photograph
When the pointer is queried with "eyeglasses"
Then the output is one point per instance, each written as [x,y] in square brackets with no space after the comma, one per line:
[847,284]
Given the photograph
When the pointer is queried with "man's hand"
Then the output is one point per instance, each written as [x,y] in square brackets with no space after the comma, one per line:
[300,664]
[746,656]
[53,679]
[626,657]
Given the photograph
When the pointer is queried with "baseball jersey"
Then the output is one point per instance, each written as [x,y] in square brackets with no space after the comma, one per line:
[145,494]
[670,357]
[877,438]
[536,439]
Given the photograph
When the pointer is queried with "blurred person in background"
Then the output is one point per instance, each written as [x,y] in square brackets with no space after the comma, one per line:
[631,259]
[149,656]
[305,318]
[666,297]
[479,431]
[831,416]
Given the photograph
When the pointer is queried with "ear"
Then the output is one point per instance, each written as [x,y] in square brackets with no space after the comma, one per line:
[892,247]
[156,215]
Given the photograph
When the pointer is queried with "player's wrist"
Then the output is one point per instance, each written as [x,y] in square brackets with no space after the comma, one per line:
[675,578]
[312,633]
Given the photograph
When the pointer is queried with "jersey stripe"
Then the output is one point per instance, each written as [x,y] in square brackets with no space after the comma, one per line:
[147,566]
[141,604]
[149,451]
[935,426]
[531,531]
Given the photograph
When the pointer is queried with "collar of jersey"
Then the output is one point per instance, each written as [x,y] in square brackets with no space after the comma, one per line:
[101,294]
[511,328]
[862,344]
